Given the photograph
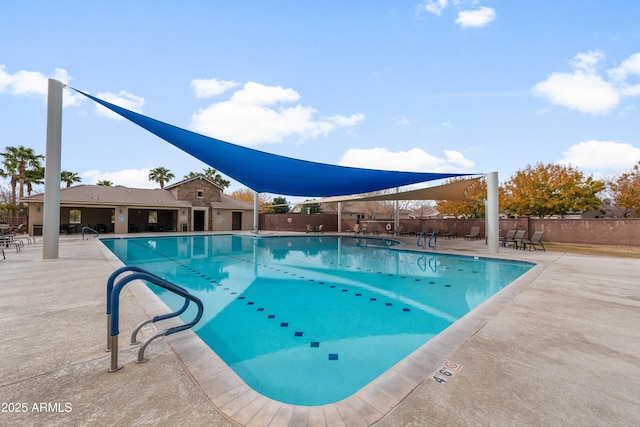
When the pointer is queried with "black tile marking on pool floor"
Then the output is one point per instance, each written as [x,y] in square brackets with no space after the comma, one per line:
[333,356]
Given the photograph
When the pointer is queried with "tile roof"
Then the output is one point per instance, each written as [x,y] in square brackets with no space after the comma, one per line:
[228,202]
[117,195]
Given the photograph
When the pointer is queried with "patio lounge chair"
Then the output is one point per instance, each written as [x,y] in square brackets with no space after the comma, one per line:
[509,236]
[535,240]
[517,239]
[473,234]
[6,240]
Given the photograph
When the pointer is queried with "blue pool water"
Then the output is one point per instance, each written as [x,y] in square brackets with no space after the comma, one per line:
[311,320]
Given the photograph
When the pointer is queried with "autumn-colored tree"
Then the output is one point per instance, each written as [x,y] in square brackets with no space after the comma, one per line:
[472,208]
[264,203]
[625,190]
[551,189]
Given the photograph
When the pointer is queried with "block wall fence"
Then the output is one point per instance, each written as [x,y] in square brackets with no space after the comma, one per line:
[600,231]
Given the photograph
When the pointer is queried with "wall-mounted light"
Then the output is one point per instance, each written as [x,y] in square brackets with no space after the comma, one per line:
[120,211]
[37,207]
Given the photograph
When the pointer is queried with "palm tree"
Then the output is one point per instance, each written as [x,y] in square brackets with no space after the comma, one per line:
[211,174]
[22,157]
[33,177]
[69,178]
[160,175]
[105,183]
[10,170]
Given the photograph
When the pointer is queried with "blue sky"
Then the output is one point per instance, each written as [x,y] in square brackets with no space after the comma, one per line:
[433,86]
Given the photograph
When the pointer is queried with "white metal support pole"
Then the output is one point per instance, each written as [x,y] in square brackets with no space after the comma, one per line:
[51,223]
[256,210]
[491,212]
[396,213]
[339,217]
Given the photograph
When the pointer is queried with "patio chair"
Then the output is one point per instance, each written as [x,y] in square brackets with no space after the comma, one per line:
[6,240]
[535,240]
[509,236]
[517,239]
[473,234]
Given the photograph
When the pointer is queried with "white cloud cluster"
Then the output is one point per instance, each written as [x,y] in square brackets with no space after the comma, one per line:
[255,114]
[205,88]
[474,18]
[34,83]
[122,99]
[134,178]
[435,6]
[585,89]
[415,159]
[602,156]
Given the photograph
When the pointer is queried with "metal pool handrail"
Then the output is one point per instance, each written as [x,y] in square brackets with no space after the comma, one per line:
[89,229]
[113,309]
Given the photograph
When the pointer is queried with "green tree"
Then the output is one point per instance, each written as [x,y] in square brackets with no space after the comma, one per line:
[105,183]
[10,170]
[33,177]
[69,178]
[212,175]
[161,175]
[551,189]
[472,208]
[310,208]
[625,190]
[18,159]
[280,205]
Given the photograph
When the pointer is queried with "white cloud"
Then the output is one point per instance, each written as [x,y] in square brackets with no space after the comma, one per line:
[602,156]
[134,178]
[587,93]
[414,160]
[34,83]
[629,67]
[476,18]
[259,94]
[435,6]
[255,115]
[585,89]
[587,61]
[211,87]
[122,99]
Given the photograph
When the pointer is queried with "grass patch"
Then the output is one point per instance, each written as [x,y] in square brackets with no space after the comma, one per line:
[602,250]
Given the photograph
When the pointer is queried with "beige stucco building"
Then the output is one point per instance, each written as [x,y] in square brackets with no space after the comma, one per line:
[194,204]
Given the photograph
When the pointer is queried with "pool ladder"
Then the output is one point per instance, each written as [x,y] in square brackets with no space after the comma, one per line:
[113,309]
[97,233]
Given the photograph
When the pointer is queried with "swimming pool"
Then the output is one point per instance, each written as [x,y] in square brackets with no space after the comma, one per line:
[310,320]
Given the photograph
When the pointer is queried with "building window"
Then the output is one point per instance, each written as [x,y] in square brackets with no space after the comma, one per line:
[199,194]
[75,216]
[153,217]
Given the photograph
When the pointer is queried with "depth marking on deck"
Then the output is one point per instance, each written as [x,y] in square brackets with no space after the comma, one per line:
[446,371]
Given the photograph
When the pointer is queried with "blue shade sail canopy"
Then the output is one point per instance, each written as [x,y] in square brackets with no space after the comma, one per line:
[271,173]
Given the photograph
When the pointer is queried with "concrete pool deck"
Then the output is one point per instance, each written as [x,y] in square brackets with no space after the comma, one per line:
[562,347]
